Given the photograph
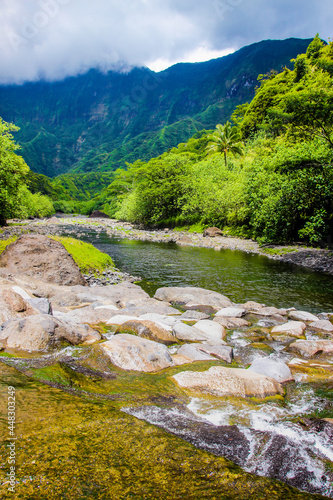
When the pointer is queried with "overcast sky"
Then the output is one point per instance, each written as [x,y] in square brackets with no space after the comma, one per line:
[52,39]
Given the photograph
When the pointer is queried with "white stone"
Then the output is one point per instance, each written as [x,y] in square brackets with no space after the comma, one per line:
[231,312]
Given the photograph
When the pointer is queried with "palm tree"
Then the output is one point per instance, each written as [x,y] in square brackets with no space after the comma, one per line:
[225,139]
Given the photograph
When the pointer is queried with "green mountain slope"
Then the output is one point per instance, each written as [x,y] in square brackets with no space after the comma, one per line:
[98,122]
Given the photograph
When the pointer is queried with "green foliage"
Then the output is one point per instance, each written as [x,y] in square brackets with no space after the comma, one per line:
[12,173]
[5,243]
[35,205]
[87,257]
[225,140]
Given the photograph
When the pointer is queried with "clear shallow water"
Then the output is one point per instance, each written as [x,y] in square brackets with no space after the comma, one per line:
[238,275]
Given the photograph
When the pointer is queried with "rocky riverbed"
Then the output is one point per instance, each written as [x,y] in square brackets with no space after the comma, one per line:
[320,260]
[243,381]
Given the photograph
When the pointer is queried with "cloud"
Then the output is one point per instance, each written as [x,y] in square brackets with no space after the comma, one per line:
[53,39]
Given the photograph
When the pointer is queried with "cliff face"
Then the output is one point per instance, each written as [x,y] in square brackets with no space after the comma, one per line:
[98,121]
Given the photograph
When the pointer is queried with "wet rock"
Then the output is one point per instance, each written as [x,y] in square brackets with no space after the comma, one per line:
[310,370]
[147,330]
[193,353]
[41,257]
[221,381]
[188,333]
[212,232]
[134,353]
[213,331]
[231,323]
[193,315]
[290,329]
[43,332]
[252,306]
[302,316]
[275,369]
[193,295]
[309,348]
[223,352]
[231,312]
[322,326]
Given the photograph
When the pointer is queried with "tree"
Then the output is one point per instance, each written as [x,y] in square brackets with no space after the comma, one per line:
[13,170]
[225,139]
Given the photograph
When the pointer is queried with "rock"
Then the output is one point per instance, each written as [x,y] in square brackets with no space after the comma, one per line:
[221,381]
[252,306]
[231,323]
[192,295]
[191,315]
[147,330]
[322,326]
[302,316]
[166,321]
[120,319]
[308,348]
[290,329]
[231,312]
[223,352]
[114,294]
[203,308]
[41,257]
[87,314]
[269,311]
[134,353]
[213,331]
[275,369]
[97,214]
[212,232]
[193,353]
[12,305]
[43,332]
[188,333]
[41,304]
[184,240]
[310,370]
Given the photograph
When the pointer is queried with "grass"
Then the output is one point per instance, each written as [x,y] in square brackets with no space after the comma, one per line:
[86,256]
[278,250]
[5,243]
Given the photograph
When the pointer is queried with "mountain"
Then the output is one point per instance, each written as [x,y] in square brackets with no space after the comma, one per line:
[99,121]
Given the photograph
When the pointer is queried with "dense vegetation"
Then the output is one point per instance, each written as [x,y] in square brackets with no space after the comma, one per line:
[15,198]
[269,176]
[97,122]
[282,188]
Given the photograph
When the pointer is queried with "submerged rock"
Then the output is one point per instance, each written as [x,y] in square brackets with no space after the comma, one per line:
[134,353]
[221,381]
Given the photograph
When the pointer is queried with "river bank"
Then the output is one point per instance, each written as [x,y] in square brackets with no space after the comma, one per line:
[317,259]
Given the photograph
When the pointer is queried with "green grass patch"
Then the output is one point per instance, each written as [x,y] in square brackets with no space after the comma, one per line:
[5,243]
[278,250]
[86,256]
[194,228]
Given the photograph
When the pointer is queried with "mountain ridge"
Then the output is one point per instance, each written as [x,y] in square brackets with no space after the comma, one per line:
[99,121]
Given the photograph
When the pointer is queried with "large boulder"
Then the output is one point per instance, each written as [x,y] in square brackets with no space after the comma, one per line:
[148,330]
[213,331]
[41,257]
[212,232]
[192,295]
[290,329]
[185,332]
[134,353]
[221,381]
[13,305]
[308,348]
[44,332]
[278,370]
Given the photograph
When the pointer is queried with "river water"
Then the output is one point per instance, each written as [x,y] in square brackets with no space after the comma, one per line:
[238,275]
[279,444]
